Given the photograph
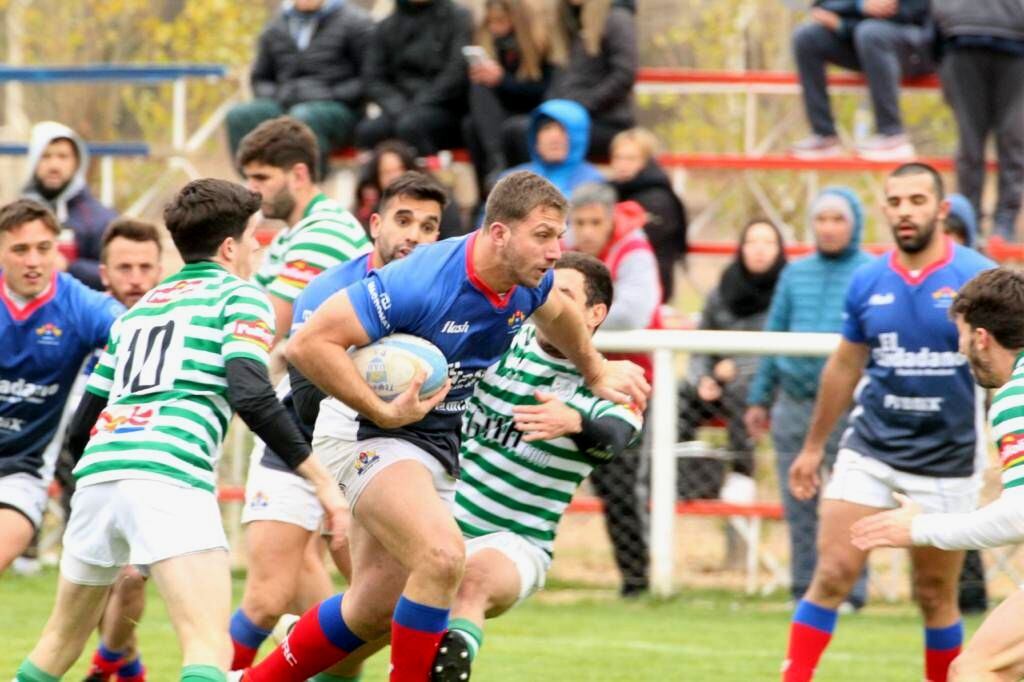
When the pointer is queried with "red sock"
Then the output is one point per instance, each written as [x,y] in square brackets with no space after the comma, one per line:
[107,666]
[319,640]
[941,646]
[243,656]
[809,635]
[416,632]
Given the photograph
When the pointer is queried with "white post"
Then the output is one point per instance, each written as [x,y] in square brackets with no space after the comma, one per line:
[178,108]
[663,473]
[107,180]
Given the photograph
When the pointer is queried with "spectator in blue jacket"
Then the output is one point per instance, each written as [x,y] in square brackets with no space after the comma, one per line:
[558,136]
[808,298]
[961,222]
[886,40]
[59,161]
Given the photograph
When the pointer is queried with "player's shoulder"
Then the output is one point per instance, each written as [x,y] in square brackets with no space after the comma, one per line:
[431,264]
[328,214]
[969,262]
[869,274]
[82,299]
[333,280]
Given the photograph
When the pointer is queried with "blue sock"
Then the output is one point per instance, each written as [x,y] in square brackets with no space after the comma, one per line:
[814,616]
[948,637]
[109,654]
[131,669]
[334,627]
[246,639]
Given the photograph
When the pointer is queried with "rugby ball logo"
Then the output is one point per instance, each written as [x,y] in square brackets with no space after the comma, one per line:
[389,365]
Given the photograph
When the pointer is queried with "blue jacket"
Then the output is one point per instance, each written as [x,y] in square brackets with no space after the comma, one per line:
[808,298]
[575,170]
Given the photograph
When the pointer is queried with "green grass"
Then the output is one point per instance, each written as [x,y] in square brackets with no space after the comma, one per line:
[570,635]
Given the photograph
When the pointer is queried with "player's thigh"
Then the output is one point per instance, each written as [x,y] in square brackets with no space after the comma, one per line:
[838,559]
[276,551]
[197,590]
[16,532]
[402,509]
[997,647]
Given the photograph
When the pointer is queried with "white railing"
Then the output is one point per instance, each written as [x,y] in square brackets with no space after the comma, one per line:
[663,345]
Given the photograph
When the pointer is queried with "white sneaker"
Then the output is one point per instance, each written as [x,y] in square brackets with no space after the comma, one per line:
[738,489]
[817,147]
[886,148]
[283,627]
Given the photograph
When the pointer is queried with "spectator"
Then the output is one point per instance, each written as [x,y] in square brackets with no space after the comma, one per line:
[717,386]
[961,222]
[982,74]
[885,39]
[809,298]
[637,177]
[416,73]
[389,160]
[308,63]
[558,136]
[599,73]
[59,162]
[614,234]
[511,79]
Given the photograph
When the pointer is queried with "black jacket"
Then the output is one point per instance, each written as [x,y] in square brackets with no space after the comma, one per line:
[666,228]
[328,69]
[415,57]
[603,83]
[995,18]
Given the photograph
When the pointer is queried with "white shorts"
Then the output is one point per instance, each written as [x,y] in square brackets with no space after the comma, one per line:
[355,463]
[871,482]
[24,493]
[136,521]
[274,495]
[531,562]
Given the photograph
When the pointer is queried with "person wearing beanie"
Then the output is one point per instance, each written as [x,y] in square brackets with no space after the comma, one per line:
[808,298]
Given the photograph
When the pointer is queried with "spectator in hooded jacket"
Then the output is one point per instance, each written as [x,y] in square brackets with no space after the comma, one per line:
[59,162]
[982,74]
[886,40]
[599,73]
[637,177]
[510,80]
[308,63]
[808,298]
[416,73]
[558,136]
[717,385]
[961,223]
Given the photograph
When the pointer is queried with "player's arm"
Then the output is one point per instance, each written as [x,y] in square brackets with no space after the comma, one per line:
[306,396]
[998,523]
[601,437]
[838,381]
[319,350]
[85,417]
[563,325]
[282,316]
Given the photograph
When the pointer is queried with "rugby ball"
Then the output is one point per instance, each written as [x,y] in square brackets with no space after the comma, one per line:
[389,364]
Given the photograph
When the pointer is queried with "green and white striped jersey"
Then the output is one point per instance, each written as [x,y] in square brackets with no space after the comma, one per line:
[326,235]
[163,374]
[508,484]
[1006,418]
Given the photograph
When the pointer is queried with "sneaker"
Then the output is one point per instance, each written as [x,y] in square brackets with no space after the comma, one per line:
[817,147]
[451,664]
[283,627]
[886,148]
[738,489]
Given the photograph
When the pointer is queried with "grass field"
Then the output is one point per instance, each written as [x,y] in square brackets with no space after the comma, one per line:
[569,634]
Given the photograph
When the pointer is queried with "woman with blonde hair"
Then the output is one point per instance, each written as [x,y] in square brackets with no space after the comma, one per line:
[509,76]
[600,69]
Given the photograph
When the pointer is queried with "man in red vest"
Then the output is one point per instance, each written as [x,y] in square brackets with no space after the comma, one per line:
[613,232]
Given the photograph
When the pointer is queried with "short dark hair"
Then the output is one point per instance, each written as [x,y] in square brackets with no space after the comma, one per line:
[918,168]
[596,277]
[17,213]
[416,185]
[131,229]
[205,213]
[994,300]
[517,194]
[280,142]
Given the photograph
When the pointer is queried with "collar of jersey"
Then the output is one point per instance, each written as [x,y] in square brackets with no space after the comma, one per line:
[198,266]
[497,300]
[313,202]
[22,314]
[1018,361]
[946,259]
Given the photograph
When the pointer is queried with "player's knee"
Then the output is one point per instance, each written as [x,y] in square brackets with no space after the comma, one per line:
[265,602]
[443,560]
[835,578]
[473,588]
[933,595]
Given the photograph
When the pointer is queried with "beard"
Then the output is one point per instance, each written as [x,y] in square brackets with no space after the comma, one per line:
[49,192]
[280,206]
[984,376]
[920,241]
